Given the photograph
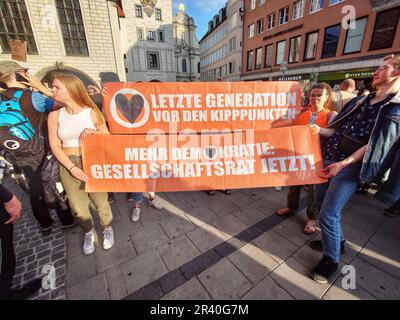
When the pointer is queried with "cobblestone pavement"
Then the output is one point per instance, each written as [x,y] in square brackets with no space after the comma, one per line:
[232,247]
[35,251]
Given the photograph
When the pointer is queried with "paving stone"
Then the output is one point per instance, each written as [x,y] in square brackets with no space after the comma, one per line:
[148,238]
[267,289]
[174,227]
[201,215]
[292,229]
[239,199]
[254,263]
[74,243]
[221,207]
[115,283]
[375,281]
[295,278]
[256,193]
[336,292]
[249,234]
[385,260]
[171,280]
[224,281]
[275,245]
[94,288]
[80,268]
[151,291]
[364,218]
[149,216]
[227,247]
[230,225]
[121,251]
[389,241]
[206,237]
[355,239]
[177,252]
[197,199]
[177,208]
[142,270]
[125,228]
[249,215]
[190,290]
[307,256]
[200,263]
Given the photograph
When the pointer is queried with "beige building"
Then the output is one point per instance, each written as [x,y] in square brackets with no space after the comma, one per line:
[187,47]
[147,40]
[80,37]
[221,46]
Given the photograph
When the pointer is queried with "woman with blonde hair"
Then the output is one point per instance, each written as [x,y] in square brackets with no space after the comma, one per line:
[316,113]
[79,118]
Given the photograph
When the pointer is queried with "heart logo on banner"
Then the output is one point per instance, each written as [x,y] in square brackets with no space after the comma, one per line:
[131,109]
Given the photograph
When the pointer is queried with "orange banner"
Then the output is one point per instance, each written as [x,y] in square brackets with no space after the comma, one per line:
[199,106]
[276,157]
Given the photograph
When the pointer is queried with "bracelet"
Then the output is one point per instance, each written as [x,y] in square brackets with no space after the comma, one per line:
[71,168]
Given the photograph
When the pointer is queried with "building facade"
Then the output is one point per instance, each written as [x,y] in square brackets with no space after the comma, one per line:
[318,40]
[78,37]
[147,40]
[187,47]
[221,46]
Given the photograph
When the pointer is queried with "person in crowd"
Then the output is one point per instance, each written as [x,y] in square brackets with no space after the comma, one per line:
[153,201]
[345,93]
[24,140]
[78,119]
[363,92]
[318,112]
[212,192]
[10,211]
[362,145]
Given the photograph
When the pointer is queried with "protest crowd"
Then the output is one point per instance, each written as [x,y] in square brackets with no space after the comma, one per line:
[42,129]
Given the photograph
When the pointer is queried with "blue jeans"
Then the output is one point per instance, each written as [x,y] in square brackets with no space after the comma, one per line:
[331,197]
[137,197]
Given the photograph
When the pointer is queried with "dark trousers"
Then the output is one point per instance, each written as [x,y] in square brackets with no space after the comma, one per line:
[293,200]
[39,206]
[7,252]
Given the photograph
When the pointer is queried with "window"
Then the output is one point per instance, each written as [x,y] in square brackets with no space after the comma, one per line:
[252,4]
[260,24]
[298,9]
[15,25]
[332,2]
[385,29]
[231,67]
[331,40]
[232,22]
[259,58]
[150,35]
[184,68]
[270,21]
[311,46]
[250,31]
[280,52]
[138,9]
[198,67]
[158,14]
[268,55]
[261,2]
[232,44]
[160,35]
[140,34]
[249,60]
[283,15]
[72,28]
[355,37]
[316,5]
[153,60]
[294,52]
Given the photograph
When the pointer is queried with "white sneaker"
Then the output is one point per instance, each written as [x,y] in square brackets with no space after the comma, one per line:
[135,214]
[89,243]
[108,238]
[156,204]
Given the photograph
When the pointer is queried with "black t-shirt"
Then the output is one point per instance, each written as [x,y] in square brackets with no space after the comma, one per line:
[359,126]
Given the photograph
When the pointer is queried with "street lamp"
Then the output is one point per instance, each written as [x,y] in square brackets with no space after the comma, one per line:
[284,68]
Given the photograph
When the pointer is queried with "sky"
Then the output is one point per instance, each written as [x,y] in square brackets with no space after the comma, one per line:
[201,10]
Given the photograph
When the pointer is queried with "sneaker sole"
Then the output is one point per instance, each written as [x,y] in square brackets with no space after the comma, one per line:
[315,278]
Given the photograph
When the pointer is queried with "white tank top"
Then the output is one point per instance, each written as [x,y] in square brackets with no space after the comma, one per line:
[70,126]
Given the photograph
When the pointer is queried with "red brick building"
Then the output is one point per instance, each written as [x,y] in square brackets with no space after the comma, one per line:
[318,40]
